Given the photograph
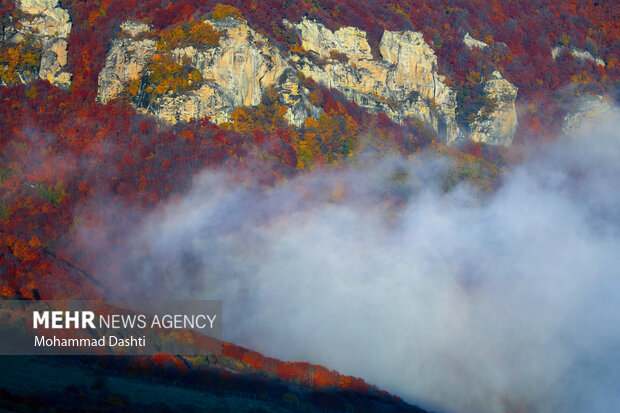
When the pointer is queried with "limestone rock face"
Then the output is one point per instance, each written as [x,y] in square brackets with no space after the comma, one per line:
[49,25]
[236,73]
[125,62]
[496,124]
[404,84]
[210,100]
[35,7]
[244,64]
[589,109]
[295,98]
[48,19]
[347,40]
[471,42]
[134,28]
[416,69]
[578,54]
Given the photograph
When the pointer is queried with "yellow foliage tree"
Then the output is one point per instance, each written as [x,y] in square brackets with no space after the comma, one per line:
[17,61]
[165,75]
[195,32]
[222,11]
[308,150]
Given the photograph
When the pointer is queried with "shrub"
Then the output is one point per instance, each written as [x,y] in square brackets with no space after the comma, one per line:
[194,32]
[222,11]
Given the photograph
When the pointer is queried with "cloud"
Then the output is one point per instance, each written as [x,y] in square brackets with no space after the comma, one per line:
[450,300]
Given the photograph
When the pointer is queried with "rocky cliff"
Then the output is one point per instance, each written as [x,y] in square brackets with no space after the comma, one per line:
[496,123]
[234,73]
[126,60]
[403,83]
[578,54]
[471,42]
[46,26]
[588,109]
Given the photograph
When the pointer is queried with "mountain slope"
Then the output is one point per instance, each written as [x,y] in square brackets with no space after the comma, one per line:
[110,109]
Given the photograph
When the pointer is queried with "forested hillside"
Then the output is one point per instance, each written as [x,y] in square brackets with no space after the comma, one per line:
[71,164]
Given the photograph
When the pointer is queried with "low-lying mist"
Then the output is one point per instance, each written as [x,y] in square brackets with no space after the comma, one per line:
[455,301]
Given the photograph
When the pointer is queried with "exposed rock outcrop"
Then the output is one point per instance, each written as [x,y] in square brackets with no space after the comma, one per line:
[416,70]
[244,64]
[126,61]
[134,28]
[404,83]
[295,97]
[589,109]
[578,54]
[210,100]
[471,42]
[497,122]
[49,25]
[350,41]
[236,73]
